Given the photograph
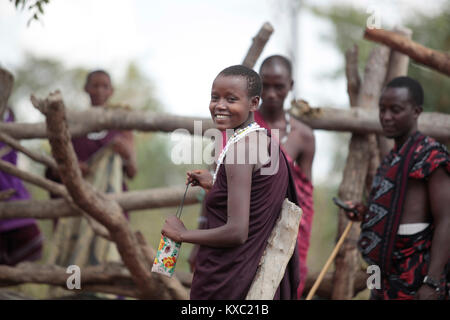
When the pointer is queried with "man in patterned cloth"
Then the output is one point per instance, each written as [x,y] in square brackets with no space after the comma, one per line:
[405,227]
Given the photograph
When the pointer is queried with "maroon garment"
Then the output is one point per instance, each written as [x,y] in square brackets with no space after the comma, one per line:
[21,244]
[227,273]
[304,189]
[85,147]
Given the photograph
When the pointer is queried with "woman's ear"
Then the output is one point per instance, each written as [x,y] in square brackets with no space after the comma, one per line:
[254,103]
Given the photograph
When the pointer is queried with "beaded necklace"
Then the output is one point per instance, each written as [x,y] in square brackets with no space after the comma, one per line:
[237,135]
[287,117]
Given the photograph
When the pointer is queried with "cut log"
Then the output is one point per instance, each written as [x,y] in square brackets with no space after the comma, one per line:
[352,120]
[434,59]
[360,121]
[278,252]
[258,44]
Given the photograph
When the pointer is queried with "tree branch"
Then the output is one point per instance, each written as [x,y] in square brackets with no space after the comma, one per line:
[97,205]
[41,158]
[111,278]
[258,44]
[132,200]
[436,60]
[433,124]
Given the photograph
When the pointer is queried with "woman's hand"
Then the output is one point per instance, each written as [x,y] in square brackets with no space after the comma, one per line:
[123,144]
[355,216]
[173,228]
[202,178]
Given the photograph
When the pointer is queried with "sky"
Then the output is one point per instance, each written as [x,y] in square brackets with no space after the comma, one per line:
[182,45]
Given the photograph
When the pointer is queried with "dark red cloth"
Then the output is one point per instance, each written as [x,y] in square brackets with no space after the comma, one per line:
[304,189]
[21,244]
[379,242]
[410,261]
[227,273]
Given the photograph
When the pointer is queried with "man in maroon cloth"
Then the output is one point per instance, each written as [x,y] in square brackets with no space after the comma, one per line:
[20,239]
[405,228]
[297,141]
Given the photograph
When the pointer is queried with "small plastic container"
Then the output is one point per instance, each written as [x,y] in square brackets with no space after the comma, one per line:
[168,249]
[166,257]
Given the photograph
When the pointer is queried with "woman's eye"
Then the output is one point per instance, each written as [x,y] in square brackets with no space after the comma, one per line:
[214,98]
[232,99]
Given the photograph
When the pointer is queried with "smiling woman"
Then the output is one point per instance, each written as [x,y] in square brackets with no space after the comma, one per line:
[242,203]
[230,106]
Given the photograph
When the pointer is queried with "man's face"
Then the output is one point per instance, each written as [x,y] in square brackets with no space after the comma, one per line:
[99,89]
[230,105]
[398,115]
[276,85]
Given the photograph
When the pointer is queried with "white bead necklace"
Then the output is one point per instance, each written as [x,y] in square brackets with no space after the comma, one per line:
[238,135]
[287,117]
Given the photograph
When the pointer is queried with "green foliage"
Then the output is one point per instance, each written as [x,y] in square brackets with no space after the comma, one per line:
[36,7]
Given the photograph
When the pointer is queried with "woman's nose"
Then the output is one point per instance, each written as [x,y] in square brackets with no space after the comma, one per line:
[221,105]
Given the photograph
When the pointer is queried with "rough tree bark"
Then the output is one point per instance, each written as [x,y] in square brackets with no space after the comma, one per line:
[352,185]
[439,61]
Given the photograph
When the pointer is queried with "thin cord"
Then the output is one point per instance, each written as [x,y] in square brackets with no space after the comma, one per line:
[180,208]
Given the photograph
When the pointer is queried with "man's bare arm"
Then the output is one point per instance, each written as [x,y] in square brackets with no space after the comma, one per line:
[439,194]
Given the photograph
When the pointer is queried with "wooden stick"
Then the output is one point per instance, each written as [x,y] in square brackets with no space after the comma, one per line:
[329,261]
[258,44]
[437,60]
[39,157]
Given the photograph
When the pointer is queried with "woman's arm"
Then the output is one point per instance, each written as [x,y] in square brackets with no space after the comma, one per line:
[235,231]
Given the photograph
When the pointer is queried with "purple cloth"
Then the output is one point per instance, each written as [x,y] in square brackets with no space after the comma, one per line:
[227,273]
[11,182]
[85,147]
